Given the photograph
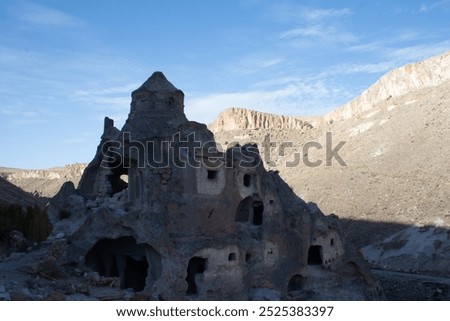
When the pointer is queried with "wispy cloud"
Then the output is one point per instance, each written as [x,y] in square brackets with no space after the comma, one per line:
[112,97]
[330,34]
[295,12]
[317,26]
[419,52]
[253,63]
[365,68]
[36,14]
[395,39]
[299,98]
[322,14]
[444,4]
[17,116]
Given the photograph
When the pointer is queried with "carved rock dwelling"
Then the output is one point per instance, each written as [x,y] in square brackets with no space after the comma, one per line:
[168,213]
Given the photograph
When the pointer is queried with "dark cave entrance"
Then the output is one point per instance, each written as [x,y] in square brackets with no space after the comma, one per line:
[296,283]
[118,179]
[258,209]
[315,255]
[135,264]
[196,266]
[250,209]
[247,180]
[135,273]
[212,174]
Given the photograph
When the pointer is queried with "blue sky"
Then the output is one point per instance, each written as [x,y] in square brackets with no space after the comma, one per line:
[65,65]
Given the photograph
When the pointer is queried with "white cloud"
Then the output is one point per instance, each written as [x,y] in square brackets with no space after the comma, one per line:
[117,96]
[386,44]
[298,98]
[319,25]
[102,99]
[419,52]
[322,14]
[14,112]
[253,64]
[366,68]
[40,15]
[423,8]
[294,12]
[367,47]
[444,4]
[329,34]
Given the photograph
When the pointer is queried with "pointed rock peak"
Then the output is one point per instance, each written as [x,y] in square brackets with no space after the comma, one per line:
[157,82]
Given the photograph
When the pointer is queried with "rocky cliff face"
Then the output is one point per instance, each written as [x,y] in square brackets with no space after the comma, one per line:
[430,72]
[243,119]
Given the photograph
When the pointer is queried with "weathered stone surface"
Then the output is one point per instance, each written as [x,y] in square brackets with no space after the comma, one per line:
[240,118]
[163,211]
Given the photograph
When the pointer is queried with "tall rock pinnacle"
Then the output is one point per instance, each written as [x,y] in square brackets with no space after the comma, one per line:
[157,108]
[156,83]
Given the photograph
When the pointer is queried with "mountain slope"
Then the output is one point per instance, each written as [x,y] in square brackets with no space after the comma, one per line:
[46,182]
[397,175]
[431,72]
[11,194]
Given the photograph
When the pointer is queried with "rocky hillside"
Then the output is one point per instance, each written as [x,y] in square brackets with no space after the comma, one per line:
[43,183]
[11,194]
[395,185]
[409,78]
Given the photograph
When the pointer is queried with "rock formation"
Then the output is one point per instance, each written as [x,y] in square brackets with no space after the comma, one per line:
[164,211]
[430,72]
[44,183]
[240,118]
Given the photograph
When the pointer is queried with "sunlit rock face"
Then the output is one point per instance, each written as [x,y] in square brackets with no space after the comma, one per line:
[166,212]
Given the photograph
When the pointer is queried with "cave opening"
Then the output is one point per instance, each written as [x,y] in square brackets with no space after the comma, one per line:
[118,179]
[212,174]
[135,264]
[250,209]
[258,209]
[232,257]
[196,266]
[296,283]
[135,273]
[315,255]
[247,180]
